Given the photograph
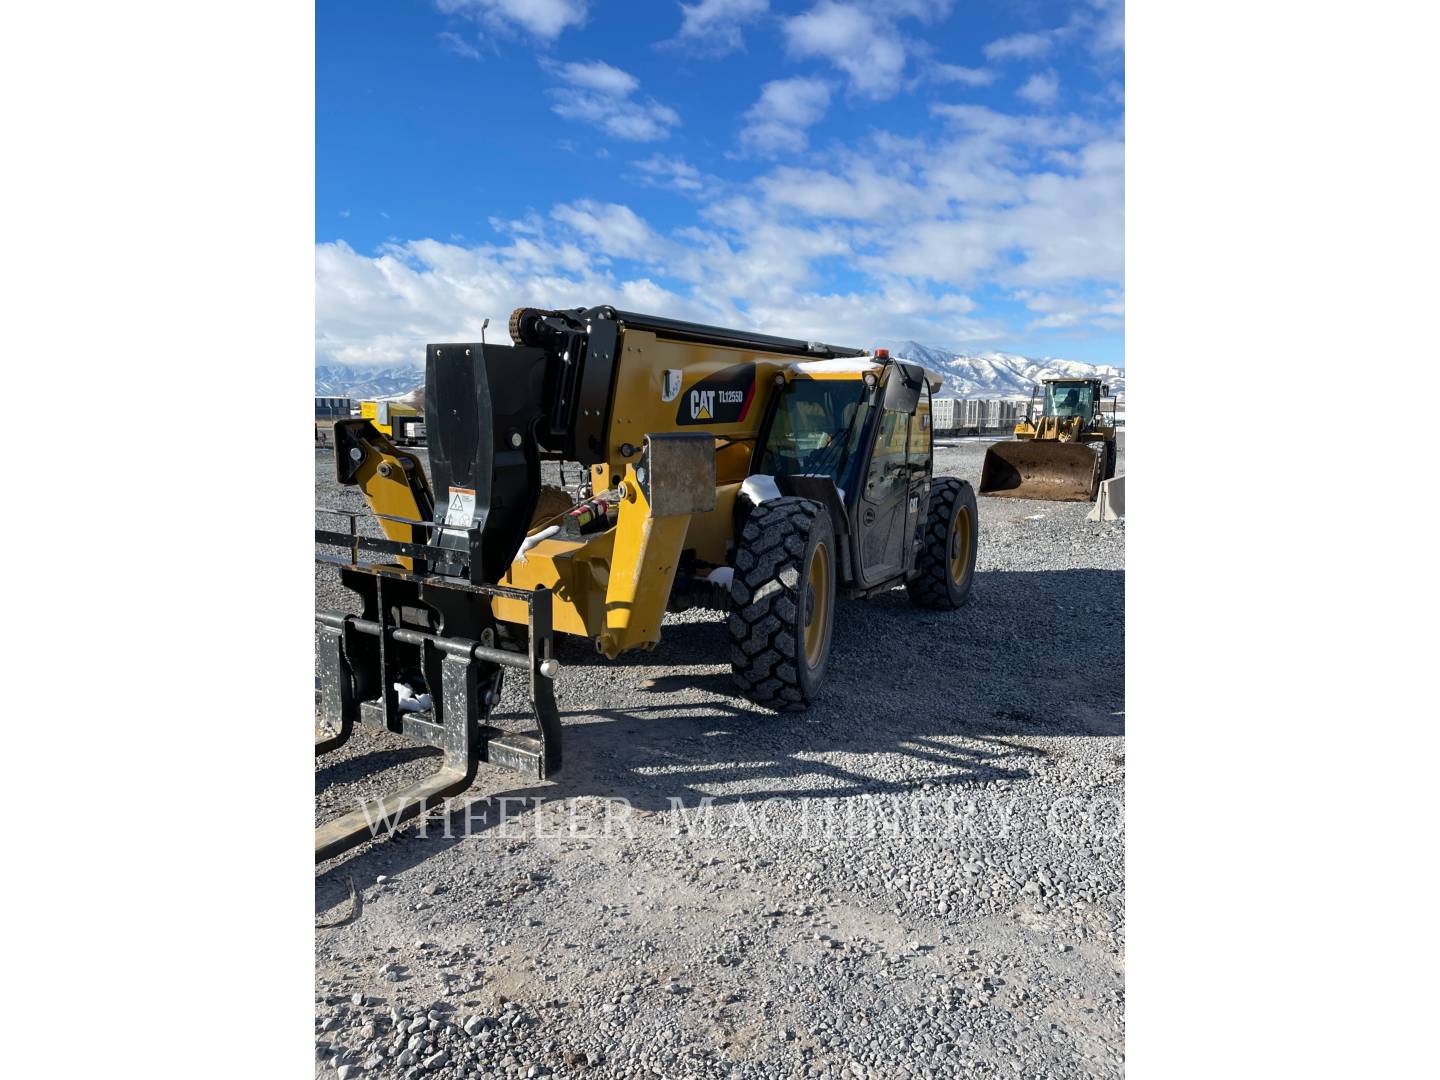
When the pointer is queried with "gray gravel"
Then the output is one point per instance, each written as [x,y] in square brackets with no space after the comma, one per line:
[968,918]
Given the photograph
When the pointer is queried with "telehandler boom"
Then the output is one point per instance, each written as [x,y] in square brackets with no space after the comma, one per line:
[761,475]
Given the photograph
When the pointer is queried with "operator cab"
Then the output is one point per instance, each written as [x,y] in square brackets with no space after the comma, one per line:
[855,435]
[1069,399]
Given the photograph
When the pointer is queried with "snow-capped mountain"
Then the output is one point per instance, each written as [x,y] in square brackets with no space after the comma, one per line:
[368,383]
[1000,375]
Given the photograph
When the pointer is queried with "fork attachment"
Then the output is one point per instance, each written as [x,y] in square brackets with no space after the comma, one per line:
[405,636]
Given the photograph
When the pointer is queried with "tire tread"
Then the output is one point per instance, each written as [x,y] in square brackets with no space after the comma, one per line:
[931,588]
[765,594]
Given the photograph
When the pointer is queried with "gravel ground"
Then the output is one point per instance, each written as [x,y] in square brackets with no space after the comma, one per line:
[921,876]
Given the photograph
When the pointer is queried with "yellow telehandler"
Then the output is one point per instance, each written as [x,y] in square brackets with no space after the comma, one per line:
[762,475]
[1061,454]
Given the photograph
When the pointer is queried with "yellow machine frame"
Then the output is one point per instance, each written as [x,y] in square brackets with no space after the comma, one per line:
[614,586]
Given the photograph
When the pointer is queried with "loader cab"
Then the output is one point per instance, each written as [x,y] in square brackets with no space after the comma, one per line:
[857,437]
[1065,399]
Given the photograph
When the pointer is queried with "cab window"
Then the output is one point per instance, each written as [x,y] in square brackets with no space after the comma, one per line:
[889,471]
[1066,401]
[920,435]
[815,428]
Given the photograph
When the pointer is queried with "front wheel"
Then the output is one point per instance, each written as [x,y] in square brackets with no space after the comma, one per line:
[782,600]
[946,559]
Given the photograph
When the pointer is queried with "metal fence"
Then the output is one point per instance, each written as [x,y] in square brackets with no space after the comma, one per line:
[332,408]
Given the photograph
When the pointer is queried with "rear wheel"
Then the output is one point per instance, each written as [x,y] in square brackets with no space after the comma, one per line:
[782,603]
[1109,461]
[946,559]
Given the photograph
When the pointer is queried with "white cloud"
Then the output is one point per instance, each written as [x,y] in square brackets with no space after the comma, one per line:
[887,242]
[670,172]
[601,77]
[966,76]
[1019,47]
[1109,33]
[1010,199]
[543,18]
[1040,89]
[599,93]
[676,173]
[753,267]
[927,11]
[1001,127]
[954,251]
[714,27]
[1051,227]
[863,194]
[1063,312]
[612,229]
[867,48]
[786,108]
[861,318]
[760,273]
[383,309]
[1071,226]
[454,43]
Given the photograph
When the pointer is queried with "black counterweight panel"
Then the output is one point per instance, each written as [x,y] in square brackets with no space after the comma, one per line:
[484,406]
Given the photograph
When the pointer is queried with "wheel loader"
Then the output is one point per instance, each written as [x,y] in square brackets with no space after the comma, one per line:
[763,476]
[1060,454]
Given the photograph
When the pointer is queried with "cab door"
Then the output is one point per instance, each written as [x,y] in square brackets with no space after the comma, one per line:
[883,513]
[920,458]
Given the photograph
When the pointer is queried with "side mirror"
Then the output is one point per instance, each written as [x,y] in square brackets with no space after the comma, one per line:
[904,387]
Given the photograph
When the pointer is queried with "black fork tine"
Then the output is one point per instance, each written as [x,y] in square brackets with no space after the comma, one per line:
[470,674]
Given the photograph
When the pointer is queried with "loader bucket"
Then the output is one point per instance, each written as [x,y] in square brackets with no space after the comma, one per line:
[1042,469]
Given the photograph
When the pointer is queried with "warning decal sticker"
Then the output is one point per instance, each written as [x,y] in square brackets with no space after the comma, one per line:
[460,511]
[670,389]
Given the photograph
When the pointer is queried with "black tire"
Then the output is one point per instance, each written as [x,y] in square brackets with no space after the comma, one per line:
[1110,455]
[952,523]
[775,654]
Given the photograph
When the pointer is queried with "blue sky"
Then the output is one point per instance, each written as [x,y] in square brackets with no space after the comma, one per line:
[951,172]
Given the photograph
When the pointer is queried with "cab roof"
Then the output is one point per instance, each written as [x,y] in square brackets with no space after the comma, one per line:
[859,365]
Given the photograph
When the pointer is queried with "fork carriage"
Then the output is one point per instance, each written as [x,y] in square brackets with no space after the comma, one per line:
[433,633]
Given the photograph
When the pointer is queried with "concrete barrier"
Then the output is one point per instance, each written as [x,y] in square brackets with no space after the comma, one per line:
[1110,505]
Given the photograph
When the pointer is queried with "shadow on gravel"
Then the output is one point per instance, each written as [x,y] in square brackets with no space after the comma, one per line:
[912,698]
[715,682]
[367,764]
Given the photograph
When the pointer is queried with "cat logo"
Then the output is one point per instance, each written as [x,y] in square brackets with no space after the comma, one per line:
[670,387]
[722,397]
[702,404]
